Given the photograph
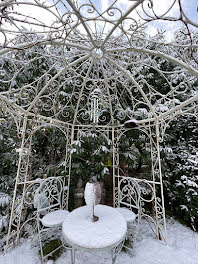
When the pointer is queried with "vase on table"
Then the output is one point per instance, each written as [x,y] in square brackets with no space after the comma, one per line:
[92,197]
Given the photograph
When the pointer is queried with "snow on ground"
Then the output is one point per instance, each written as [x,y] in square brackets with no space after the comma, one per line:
[182,248]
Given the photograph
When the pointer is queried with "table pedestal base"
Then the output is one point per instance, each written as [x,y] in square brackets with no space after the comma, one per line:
[113,252]
[73,256]
[116,251]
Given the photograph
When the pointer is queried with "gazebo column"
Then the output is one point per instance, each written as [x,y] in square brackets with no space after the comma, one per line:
[158,202]
[16,210]
[115,164]
[70,140]
[68,161]
[25,177]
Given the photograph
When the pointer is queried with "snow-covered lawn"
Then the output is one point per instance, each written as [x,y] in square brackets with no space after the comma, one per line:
[182,248]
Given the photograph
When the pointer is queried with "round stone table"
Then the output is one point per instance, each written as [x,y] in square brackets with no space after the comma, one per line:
[108,233]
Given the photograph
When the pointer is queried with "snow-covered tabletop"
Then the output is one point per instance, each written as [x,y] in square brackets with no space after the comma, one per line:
[54,218]
[128,214]
[107,232]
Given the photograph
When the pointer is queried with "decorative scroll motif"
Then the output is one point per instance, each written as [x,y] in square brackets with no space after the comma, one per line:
[30,192]
[50,192]
[48,195]
[137,195]
[48,198]
[158,209]
[65,194]
[133,193]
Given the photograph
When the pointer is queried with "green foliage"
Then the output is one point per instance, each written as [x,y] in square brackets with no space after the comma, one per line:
[53,245]
[133,152]
[48,153]
[8,168]
[181,170]
[9,157]
[90,156]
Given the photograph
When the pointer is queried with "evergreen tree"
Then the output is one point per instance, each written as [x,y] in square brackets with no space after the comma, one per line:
[181,170]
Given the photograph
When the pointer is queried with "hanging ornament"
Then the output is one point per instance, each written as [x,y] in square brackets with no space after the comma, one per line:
[95,106]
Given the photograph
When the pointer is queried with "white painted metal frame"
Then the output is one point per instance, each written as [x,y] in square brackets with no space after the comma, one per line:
[86,46]
[49,197]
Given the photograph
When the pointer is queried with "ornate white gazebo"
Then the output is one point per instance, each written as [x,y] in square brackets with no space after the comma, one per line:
[99,65]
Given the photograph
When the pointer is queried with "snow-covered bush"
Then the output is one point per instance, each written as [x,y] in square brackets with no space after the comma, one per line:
[5,201]
[8,167]
[90,156]
[181,170]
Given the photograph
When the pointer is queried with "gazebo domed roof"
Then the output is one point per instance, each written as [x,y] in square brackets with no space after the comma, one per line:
[86,54]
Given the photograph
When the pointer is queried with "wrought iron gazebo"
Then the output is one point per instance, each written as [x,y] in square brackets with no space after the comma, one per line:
[94,58]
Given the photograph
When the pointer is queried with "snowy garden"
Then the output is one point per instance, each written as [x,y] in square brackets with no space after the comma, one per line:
[98,131]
